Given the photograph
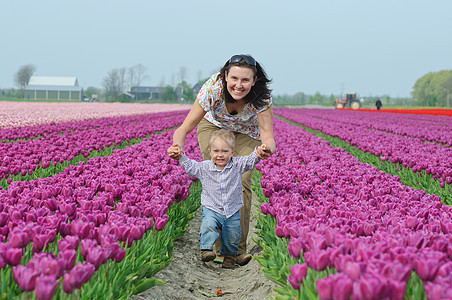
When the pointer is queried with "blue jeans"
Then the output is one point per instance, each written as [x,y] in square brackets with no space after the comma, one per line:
[230,231]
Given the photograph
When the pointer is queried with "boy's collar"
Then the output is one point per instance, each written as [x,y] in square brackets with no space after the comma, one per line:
[213,166]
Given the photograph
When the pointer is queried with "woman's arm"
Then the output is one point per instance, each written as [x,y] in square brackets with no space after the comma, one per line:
[191,121]
[265,120]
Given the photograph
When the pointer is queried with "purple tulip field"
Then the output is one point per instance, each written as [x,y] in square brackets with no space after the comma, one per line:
[104,217]
[352,231]
[355,205]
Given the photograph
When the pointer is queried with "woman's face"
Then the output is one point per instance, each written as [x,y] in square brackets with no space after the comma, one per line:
[239,81]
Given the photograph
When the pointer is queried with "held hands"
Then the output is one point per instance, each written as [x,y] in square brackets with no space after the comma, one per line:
[174,152]
[263,151]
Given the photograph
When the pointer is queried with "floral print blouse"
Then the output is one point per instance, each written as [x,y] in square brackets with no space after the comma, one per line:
[211,99]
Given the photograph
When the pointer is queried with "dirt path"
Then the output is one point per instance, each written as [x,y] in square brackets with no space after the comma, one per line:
[187,275]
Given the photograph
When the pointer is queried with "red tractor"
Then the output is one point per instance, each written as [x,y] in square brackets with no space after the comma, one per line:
[349,101]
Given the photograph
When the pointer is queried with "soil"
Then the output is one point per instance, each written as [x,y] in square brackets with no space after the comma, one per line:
[187,277]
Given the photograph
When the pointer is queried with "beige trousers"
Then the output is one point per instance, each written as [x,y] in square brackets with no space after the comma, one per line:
[244,145]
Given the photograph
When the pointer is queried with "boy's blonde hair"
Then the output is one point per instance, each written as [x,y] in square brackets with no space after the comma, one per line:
[224,135]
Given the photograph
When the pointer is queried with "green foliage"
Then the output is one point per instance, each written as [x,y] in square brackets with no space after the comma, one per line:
[431,89]
[169,94]
[188,94]
[316,99]
[91,90]
[284,100]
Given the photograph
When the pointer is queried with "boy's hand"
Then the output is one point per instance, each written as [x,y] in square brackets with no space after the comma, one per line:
[174,152]
[263,151]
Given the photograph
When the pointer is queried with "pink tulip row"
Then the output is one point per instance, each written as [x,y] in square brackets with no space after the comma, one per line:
[24,157]
[341,213]
[44,130]
[92,206]
[22,114]
[410,152]
[437,129]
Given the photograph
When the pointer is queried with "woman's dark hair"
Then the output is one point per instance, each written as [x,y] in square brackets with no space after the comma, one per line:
[258,92]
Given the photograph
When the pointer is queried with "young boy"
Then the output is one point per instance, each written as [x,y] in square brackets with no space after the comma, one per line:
[221,197]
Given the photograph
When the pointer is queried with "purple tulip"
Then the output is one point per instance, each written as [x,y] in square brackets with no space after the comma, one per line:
[369,288]
[81,229]
[353,270]
[39,242]
[325,288]
[96,256]
[25,277]
[123,232]
[295,247]
[68,256]
[298,274]
[3,218]
[426,268]
[47,264]
[438,291]
[87,245]
[136,233]
[160,223]
[18,239]
[12,256]
[68,283]
[397,289]
[120,255]
[343,288]
[317,259]
[279,231]
[411,222]
[46,286]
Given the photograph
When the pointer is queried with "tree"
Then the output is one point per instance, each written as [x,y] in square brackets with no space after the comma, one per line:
[113,84]
[122,79]
[136,75]
[182,73]
[91,90]
[316,99]
[331,100]
[431,89]
[22,77]
[188,94]
[169,94]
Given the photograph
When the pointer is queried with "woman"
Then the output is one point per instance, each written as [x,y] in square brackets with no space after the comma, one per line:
[238,99]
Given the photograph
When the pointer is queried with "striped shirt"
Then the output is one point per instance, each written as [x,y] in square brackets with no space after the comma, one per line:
[221,189]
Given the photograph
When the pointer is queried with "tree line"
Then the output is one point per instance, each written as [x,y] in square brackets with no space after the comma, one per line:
[432,89]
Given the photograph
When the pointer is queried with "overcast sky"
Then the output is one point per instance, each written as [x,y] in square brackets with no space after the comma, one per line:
[331,46]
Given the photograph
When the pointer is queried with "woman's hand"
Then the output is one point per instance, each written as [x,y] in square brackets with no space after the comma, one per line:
[263,151]
[175,152]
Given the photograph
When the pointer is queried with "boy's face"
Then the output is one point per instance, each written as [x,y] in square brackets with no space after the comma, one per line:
[220,152]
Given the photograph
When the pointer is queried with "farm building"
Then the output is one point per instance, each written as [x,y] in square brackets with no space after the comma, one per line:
[53,88]
[151,92]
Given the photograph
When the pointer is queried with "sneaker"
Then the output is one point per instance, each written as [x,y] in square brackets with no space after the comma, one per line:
[243,259]
[229,262]
[207,255]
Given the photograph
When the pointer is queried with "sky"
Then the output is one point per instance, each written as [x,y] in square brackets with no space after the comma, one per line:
[370,47]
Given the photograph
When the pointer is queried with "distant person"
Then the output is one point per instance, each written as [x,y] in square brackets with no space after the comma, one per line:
[378,104]
[221,197]
[236,98]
